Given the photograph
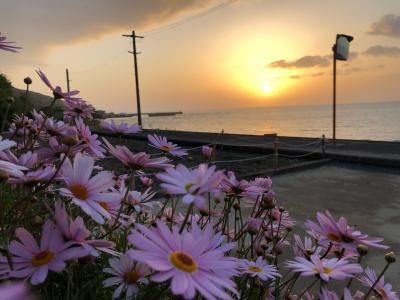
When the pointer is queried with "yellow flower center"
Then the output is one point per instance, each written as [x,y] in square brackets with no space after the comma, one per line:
[42,258]
[104,205]
[382,293]
[183,261]
[327,270]
[188,186]
[255,269]
[333,238]
[131,277]
[79,191]
[165,148]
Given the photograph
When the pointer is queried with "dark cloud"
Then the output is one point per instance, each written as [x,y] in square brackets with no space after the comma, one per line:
[308,61]
[388,25]
[302,62]
[53,22]
[379,50]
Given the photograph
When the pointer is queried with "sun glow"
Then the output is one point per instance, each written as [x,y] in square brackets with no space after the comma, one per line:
[246,66]
[266,89]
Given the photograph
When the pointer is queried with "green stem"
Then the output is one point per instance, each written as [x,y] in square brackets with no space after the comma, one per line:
[188,212]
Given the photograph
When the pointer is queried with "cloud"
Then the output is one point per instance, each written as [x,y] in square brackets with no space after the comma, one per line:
[352,70]
[379,50]
[302,76]
[302,62]
[388,25]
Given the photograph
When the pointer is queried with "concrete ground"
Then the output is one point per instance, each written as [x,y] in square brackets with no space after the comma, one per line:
[369,197]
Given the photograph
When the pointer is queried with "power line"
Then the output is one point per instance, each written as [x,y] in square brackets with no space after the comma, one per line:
[162,29]
[102,64]
[189,19]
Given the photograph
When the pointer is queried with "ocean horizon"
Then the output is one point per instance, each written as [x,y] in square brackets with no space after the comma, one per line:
[359,121]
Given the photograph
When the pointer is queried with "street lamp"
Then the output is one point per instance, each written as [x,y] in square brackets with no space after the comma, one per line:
[340,52]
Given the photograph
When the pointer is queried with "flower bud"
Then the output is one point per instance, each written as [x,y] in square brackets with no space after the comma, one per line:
[4,175]
[362,250]
[268,203]
[390,257]
[71,137]
[27,80]
[33,130]
[236,206]
[264,246]
[259,252]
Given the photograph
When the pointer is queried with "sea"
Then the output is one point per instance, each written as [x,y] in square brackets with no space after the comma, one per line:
[358,121]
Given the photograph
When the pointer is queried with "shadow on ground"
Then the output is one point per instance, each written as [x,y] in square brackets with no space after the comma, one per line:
[369,197]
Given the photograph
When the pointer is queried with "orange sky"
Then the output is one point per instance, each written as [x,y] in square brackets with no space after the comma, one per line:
[225,58]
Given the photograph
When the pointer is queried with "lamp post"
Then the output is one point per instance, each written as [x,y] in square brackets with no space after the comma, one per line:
[340,52]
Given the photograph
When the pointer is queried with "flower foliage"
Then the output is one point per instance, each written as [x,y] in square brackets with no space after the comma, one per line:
[159,229]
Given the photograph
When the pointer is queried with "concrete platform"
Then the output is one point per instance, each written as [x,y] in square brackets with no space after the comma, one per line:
[369,197]
[361,151]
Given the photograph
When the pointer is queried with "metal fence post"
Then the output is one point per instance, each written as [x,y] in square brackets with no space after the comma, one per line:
[323,145]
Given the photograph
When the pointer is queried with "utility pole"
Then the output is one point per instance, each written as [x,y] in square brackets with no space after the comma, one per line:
[135,53]
[67,73]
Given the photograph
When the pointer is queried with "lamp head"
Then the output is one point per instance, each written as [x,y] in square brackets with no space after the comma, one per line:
[348,37]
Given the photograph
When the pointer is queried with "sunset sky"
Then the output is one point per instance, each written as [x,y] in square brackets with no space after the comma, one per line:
[231,54]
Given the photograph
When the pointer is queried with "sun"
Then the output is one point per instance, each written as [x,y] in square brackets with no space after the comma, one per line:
[266,89]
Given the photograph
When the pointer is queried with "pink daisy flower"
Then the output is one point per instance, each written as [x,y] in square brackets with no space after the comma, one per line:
[76,231]
[10,169]
[138,161]
[233,187]
[15,291]
[161,142]
[193,261]
[331,295]
[90,142]
[7,46]
[340,234]
[140,201]
[28,159]
[259,268]
[34,177]
[88,193]
[254,224]
[6,144]
[121,128]
[78,108]
[57,91]
[326,269]
[306,248]
[127,274]
[192,184]
[147,181]
[384,291]
[34,261]
[207,151]
[264,182]
[56,128]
